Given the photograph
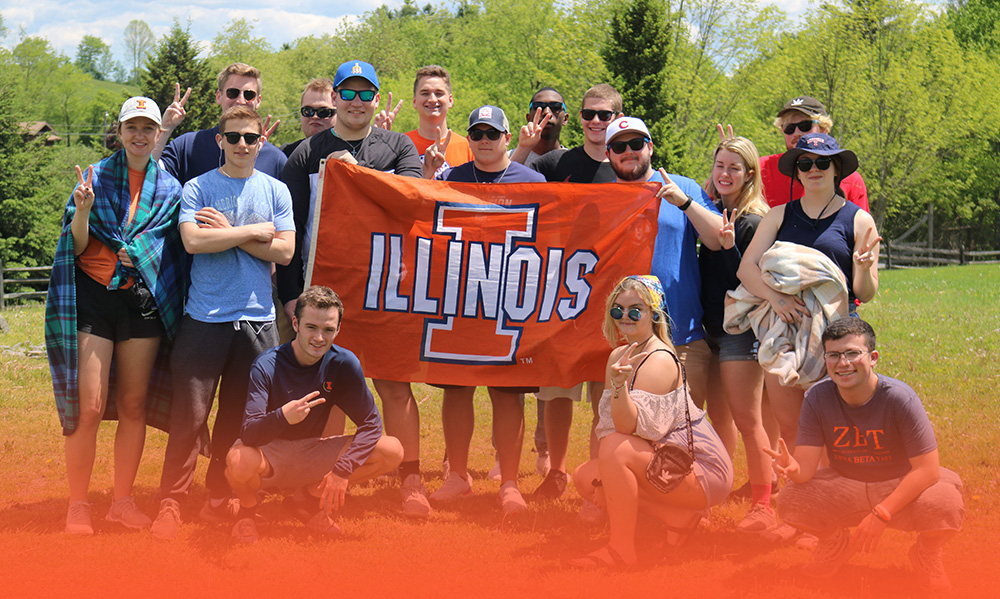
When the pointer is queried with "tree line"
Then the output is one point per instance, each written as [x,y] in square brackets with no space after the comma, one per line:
[910,90]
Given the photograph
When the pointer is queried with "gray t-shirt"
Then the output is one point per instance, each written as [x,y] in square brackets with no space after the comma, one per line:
[233,285]
[869,443]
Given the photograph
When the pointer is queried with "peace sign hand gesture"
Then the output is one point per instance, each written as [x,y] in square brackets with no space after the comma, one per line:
[866,254]
[296,410]
[727,234]
[531,133]
[175,113]
[783,462]
[724,132]
[434,156]
[385,118]
[83,195]
[269,129]
[621,371]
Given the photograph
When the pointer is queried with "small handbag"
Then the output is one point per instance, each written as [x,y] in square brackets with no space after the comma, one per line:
[671,464]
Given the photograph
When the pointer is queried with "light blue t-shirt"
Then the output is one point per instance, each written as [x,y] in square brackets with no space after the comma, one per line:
[233,285]
[675,262]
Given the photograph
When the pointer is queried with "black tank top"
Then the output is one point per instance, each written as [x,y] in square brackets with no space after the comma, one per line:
[833,235]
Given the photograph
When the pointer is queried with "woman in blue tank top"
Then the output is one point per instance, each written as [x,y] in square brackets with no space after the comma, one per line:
[823,220]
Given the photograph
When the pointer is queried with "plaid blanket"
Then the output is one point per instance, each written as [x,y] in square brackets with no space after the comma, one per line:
[154,245]
[792,352]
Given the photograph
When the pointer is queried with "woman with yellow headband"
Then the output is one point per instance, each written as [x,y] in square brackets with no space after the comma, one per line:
[646,404]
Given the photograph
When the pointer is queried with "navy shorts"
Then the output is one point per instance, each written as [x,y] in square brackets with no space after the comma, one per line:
[731,348]
[113,315]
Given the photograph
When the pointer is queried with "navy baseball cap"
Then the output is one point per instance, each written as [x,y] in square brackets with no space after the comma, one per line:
[820,144]
[355,68]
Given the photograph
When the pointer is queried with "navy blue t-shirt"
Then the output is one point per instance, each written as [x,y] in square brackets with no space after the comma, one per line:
[196,153]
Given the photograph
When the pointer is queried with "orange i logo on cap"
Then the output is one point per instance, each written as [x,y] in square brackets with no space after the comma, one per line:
[356,69]
[140,104]
[328,386]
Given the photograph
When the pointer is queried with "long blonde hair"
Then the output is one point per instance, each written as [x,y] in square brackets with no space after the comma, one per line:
[661,322]
[751,197]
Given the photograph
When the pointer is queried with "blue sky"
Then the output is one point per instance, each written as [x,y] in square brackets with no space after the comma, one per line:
[65,22]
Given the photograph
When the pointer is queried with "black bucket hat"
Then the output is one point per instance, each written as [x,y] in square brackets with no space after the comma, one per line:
[820,144]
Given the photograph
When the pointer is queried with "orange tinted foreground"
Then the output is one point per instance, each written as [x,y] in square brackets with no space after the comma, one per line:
[465,551]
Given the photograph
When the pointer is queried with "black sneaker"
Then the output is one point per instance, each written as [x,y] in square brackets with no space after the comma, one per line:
[553,486]
[224,512]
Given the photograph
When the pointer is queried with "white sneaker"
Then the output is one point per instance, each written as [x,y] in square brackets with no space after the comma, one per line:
[124,512]
[454,487]
[543,464]
[78,519]
[494,473]
[510,498]
[415,504]
[760,518]
[168,520]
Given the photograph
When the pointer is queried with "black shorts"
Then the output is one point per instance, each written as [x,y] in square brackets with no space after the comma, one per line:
[113,315]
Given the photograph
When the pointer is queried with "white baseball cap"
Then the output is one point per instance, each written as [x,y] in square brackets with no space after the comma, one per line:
[139,106]
[624,125]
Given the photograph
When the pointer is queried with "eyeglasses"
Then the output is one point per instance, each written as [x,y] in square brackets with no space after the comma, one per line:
[634,144]
[605,115]
[321,113]
[491,134]
[553,106]
[234,138]
[248,94]
[805,165]
[366,95]
[634,314]
[851,355]
[803,126]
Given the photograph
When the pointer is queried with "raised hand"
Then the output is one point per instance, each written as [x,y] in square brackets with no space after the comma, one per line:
[866,255]
[531,133]
[385,118]
[724,132]
[434,155]
[783,462]
[727,234]
[269,129]
[175,113]
[296,410]
[669,190]
[83,195]
[622,370]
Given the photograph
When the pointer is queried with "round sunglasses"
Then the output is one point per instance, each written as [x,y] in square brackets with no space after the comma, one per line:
[617,312]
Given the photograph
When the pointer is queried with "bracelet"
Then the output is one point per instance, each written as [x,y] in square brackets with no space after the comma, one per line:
[617,388]
[686,204]
[881,513]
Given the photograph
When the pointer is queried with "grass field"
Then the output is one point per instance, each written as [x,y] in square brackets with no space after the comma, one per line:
[939,331]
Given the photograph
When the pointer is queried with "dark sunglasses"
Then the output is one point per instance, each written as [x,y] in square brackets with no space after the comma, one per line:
[366,95]
[323,113]
[491,134]
[605,115]
[803,126]
[234,138]
[635,144]
[553,106]
[248,94]
[635,314]
[805,165]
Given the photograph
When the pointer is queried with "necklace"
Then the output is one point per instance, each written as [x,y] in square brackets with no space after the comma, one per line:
[815,221]
[355,146]
[497,180]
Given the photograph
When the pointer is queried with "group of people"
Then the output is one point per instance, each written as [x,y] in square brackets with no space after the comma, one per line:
[181,266]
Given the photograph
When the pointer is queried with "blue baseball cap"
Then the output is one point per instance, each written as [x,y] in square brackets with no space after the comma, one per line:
[355,68]
[489,115]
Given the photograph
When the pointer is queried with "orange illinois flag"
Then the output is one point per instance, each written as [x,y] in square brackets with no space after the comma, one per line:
[476,284]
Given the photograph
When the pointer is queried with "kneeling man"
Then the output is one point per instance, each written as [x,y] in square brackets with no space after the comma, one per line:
[883,456]
[284,442]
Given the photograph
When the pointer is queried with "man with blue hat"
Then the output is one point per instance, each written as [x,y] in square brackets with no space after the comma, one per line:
[354,140]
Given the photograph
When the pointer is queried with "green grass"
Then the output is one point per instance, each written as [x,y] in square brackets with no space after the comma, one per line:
[939,331]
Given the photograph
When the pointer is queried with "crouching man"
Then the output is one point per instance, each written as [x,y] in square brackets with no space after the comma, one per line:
[883,456]
[284,443]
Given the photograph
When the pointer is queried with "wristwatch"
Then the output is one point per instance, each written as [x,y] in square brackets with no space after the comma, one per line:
[685,205]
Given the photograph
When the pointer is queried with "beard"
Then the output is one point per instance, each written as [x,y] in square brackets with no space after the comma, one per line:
[634,173]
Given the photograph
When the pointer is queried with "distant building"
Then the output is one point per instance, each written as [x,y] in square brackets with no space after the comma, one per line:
[39,130]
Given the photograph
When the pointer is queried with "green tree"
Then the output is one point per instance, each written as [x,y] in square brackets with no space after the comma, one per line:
[236,43]
[176,61]
[93,56]
[139,44]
